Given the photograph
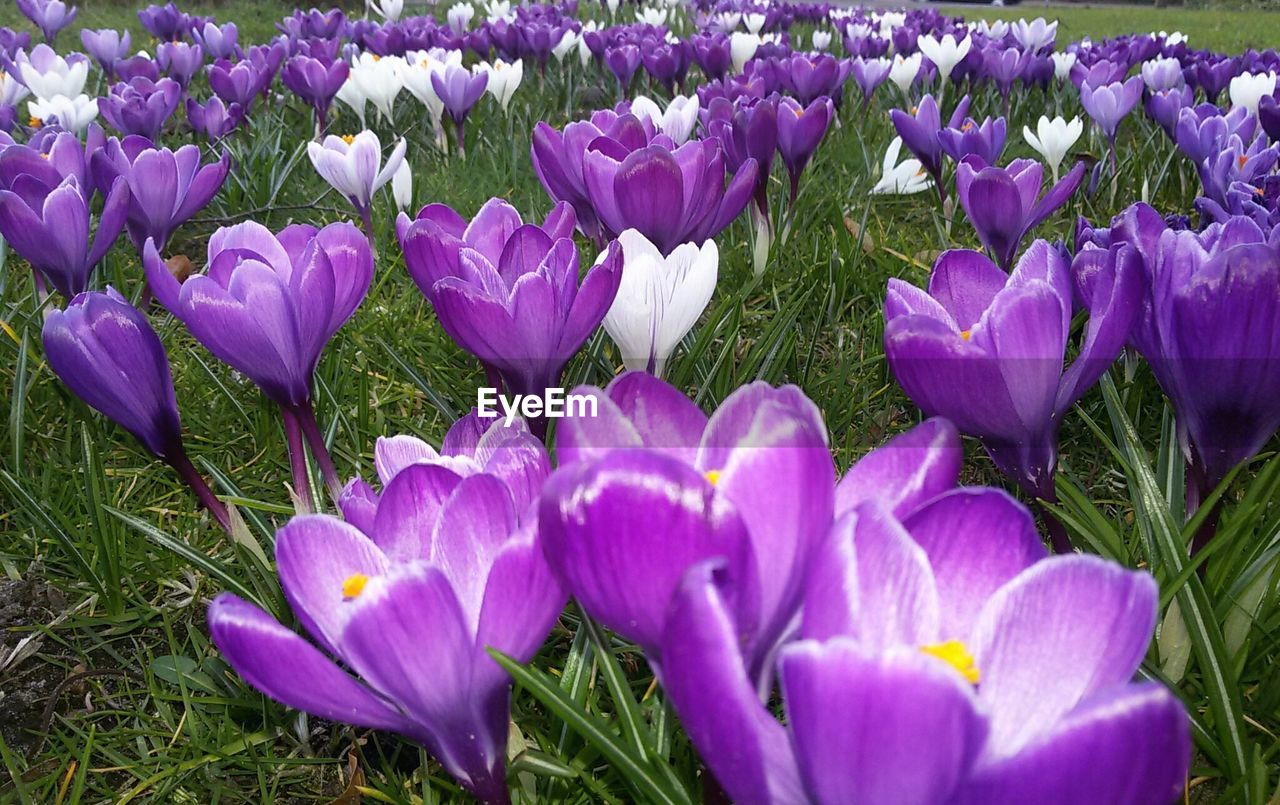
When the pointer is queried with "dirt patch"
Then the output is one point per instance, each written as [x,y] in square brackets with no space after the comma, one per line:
[31,667]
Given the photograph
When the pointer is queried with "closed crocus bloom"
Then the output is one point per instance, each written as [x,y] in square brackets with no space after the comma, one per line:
[442,588]
[985,141]
[925,672]
[821,40]
[474,445]
[71,114]
[504,80]
[919,132]
[903,72]
[869,74]
[354,167]
[650,487]
[166,23]
[1034,35]
[1004,204]
[458,89]
[52,231]
[944,53]
[218,41]
[459,16]
[1162,74]
[268,304]
[316,82]
[1053,139]
[747,130]
[234,83]
[50,16]
[741,48]
[213,119]
[659,299]
[48,75]
[402,186]
[527,314]
[677,121]
[141,107]
[433,241]
[1108,104]
[380,80]
[180,61]
[670,195]
[1062,64]
[139,65]
[105,46]
[986,349]
[800,130]
[901,178]
[1247,89]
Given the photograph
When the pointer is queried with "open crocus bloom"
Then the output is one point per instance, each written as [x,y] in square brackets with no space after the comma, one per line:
[901,178]
[402,619]
[351,165]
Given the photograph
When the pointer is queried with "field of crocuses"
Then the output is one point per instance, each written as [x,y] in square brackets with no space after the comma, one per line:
[665,402]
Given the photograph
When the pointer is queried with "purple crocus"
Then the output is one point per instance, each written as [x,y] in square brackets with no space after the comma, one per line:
[869,74]
[267,305]
[218,41]
[442,587]
[985,349]
[433,241]
[141,106]
[527,314]
[800,130]
[50,16]
[985,141]
[622,61]
[942,658]
[106,46]
[166,188]
[919,132]
[1003,204]
[166,23]
[459,89]
[180,61]
[214,119]
[49,228]
[316,82]
[236,83]
[1108,104]
[650,486]
[139,65]
[747,130]
[104,350]
[670,195]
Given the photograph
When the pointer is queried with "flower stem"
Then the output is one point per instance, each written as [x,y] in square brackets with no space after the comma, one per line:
[192,477]
[1198,488]
[298,460]
[319,450]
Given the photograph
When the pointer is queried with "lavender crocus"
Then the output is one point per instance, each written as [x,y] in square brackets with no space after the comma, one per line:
[800,130]
[141,106]
[316,82]
[214,119]
[106,46]
[919,132]
[459,89]
[104,350]
[985,141]
[166,188]
[442,588]
[50,229]
[1003,204]
[218,41]
[180,61]
[1108,104]
[237,83]
[166,23]
[986,349]
[869,74]
[50,16]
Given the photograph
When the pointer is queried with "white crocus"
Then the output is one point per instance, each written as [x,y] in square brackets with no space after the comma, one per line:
[353,97]
[1173,39]
[59,76]
[1053,139]
[821,40]
[379,80]
[1247,89]
[402,186]
[659,299]
[351,165]
[584,52]
[754,22]
[726,21]
[902,178]
[1036,34]
[741,48]
[993,30]
[613,6]
[945,53]
[567,43]
[73,114]
[676,121]
[1062,64]
[904,71]
[11,90]
[389,10]
[652,16]
[496,10]
[459,16]
[504,80]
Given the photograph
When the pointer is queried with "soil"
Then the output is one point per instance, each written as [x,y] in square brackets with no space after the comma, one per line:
[26,685]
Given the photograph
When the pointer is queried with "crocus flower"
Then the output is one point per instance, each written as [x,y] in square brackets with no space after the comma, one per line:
[677,121]
[623,61]
[351,165]
[316,82]
[986,350]
[1108,104]
[402,186]
[1053,139]
[869,74]
[504,80]
[944,53]
[1247,89]
[180,61]
[741,48]
[919,132]
[459,89]
[71,114]
[1162,74]
[139,65]
[659,299]
[800,130]
[1164,107]
[49,75]
[441,588]
[1063,63]
[51,232]
[1003,204]
[905,178]
[926,673]
[218,41]
[37,168]
[526,315]
[379,79]
[1034,35]
[985,141]
[50,16]
[1202,132]
[104,350]
[433,241]
[748,131]
[141,107]
[670,195]
[166,23]
[105,46]
[213,119]
[166,188]
[234,83]
[903,72]
[649,487]
[1208,331]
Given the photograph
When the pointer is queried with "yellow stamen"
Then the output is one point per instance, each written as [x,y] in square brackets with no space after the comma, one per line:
[35,122]
[968,126]
[348,138]
[353,585]
[915,110]
[965,335]
[954,653]
[376,57]
[1259,192]
[713,476]
[1243,159]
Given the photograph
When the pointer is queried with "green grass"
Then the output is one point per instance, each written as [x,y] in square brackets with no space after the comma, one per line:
[118,565]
